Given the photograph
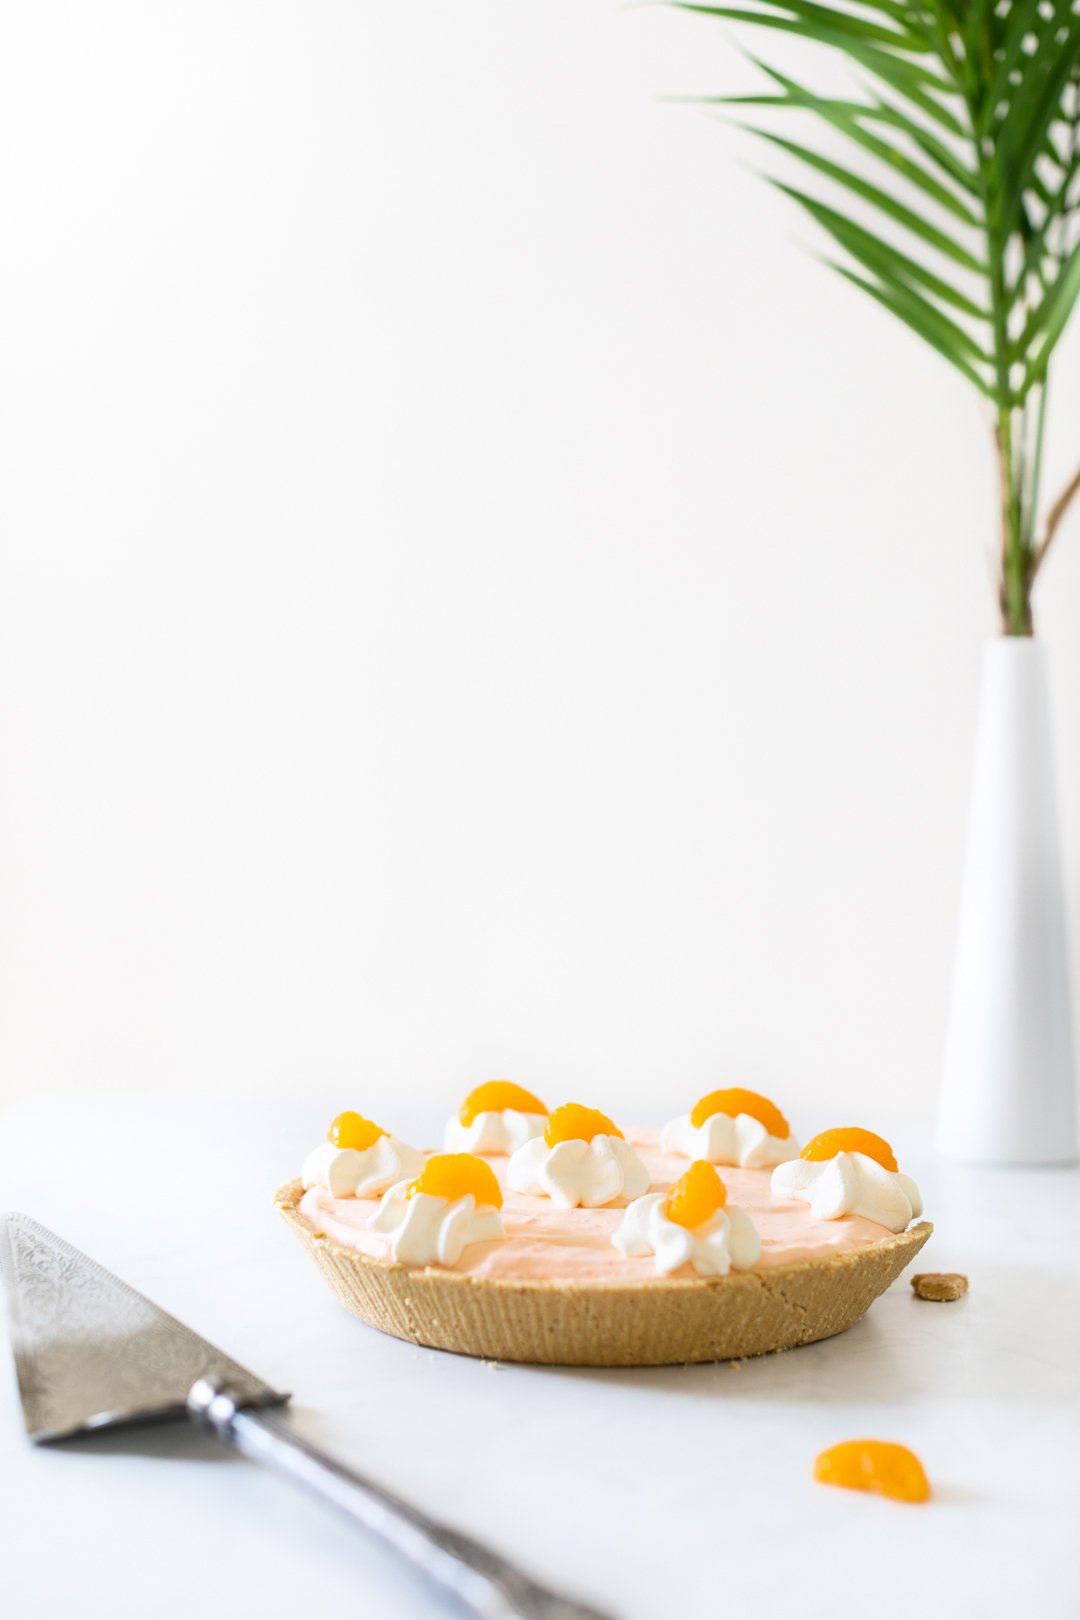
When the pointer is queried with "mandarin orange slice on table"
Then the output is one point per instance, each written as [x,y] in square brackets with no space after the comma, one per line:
[696,1196]
[495,1095]
[738,1101]
[452,1175]
[573,1123]
[874,1465]
[850,1139]
[351,1130]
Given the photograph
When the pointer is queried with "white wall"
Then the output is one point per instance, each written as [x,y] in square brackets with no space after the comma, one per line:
[478,598]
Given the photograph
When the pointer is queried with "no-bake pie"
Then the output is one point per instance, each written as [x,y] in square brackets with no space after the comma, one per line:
[555,1236]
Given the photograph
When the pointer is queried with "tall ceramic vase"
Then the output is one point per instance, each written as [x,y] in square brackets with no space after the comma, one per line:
[1008,1094]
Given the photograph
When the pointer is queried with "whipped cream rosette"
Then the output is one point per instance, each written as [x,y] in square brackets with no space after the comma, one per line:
[850,1172]
[731,1127]
[690,1225]
[359,1159]
[496,1117]
[453,1202]
[581,1159]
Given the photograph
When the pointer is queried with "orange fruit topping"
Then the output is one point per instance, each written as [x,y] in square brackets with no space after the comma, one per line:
[452,1175]
[495,1095]
[874,1465]
[850,1139]
[573,1123]
[736,1101]
[351,1130]
[696,1196]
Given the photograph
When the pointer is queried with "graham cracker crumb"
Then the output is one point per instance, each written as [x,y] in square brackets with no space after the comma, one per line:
[940,1285]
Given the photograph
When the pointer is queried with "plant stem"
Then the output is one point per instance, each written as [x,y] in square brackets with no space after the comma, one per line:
[1015,593]
[1054,517]
[1035,477]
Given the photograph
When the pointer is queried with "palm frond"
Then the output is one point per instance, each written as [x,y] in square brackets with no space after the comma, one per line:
[963,127]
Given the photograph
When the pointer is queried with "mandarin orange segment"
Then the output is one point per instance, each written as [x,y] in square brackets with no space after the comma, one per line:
[351,1130]
[696,1196]
[452,1175]
[495,1095]
[850,1139]
[737,1101]
[573,1123]
[874,1465]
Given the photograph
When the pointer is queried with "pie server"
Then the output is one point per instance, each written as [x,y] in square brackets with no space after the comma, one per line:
[91,1353]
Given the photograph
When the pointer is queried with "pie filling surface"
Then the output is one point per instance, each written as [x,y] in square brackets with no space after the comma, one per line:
[545,1243]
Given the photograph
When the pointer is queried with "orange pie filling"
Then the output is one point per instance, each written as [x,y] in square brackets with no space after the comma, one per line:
[545,1241]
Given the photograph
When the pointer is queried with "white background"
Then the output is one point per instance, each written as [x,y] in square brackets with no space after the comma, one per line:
[478,596]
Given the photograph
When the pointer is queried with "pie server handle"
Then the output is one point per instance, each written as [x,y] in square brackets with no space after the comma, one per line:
[479,1578]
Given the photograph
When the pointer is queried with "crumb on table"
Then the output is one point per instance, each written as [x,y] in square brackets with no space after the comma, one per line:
[940,1285]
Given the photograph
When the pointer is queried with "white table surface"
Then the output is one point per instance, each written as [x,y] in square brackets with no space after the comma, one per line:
[662,1493]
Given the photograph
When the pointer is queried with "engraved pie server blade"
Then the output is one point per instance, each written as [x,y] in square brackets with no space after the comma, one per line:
[92,1353]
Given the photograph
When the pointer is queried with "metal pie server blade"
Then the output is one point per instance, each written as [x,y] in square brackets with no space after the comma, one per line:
[91,1352]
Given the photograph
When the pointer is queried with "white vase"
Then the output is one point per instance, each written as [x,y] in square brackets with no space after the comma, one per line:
[1008,1094]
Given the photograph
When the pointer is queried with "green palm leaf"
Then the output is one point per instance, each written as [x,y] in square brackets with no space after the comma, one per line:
[936,329]
[885,261]
[883,200]
[965,174]
[967,113]
[1049,320]
[848,121]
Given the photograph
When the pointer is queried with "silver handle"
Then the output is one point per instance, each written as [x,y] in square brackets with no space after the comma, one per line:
[478,1577]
